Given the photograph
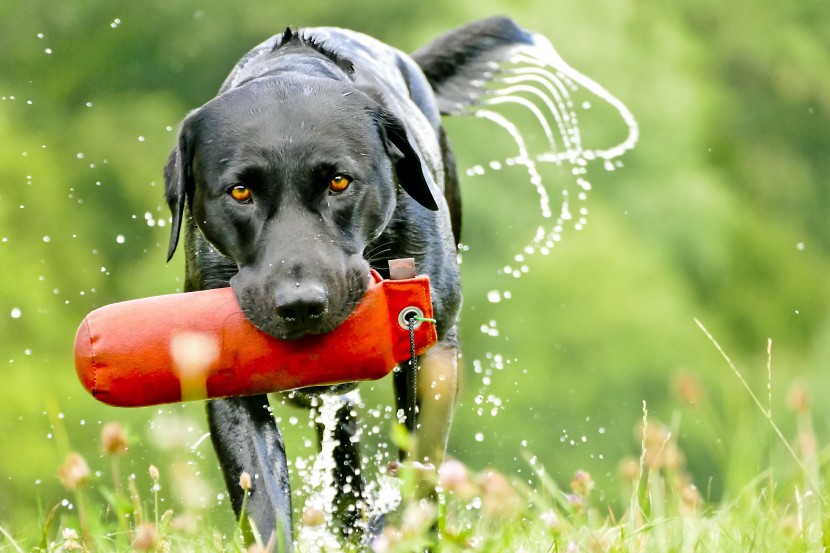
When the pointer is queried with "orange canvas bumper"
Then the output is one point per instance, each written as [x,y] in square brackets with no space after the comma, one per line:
[199,345]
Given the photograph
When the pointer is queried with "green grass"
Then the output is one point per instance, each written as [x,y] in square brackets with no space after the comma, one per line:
[656,508]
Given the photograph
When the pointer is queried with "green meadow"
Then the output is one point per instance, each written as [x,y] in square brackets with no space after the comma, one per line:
[654,380]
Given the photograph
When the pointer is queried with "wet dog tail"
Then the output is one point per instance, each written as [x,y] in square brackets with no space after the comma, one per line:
[460,63]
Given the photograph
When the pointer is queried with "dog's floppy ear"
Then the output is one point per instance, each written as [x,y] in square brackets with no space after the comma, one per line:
[413,174]
[178,183]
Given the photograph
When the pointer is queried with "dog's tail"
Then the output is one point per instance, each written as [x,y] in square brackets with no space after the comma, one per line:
[460,63]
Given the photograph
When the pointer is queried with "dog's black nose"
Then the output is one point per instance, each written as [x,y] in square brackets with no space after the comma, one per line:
[301,304]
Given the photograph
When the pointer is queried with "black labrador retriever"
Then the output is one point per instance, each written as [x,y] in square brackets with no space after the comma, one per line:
[321,157]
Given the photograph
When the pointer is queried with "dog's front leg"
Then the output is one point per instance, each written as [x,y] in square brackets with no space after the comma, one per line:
[437,387]
[247,439]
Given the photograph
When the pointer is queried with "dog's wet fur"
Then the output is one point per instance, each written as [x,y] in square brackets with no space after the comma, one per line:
[250,182]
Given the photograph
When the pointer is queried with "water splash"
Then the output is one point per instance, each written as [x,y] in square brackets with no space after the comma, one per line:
[544,56]
[538,100]
[540,82]
[381,493]
[318,478]
[522,159]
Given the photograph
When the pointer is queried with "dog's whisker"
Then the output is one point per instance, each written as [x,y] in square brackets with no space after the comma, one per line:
[376,251]
[384,255]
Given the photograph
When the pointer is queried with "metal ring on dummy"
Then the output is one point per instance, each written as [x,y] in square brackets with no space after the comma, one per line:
[408,313]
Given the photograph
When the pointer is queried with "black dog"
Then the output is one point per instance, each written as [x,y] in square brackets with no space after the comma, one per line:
[323,155]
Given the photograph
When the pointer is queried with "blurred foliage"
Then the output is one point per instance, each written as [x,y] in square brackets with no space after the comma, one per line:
[721,213]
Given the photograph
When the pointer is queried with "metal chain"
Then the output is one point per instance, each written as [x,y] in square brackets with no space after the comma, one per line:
[412,375]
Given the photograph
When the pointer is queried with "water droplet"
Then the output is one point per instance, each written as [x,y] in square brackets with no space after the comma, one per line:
[120,239]
[16,313]
[479,437]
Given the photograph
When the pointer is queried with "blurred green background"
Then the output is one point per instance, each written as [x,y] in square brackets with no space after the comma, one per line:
[720,214]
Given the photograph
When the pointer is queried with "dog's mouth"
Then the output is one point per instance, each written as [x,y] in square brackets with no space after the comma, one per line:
[289,330]
[302,310]
[283,327]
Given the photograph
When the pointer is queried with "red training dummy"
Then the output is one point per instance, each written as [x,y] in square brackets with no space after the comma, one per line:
[199,345]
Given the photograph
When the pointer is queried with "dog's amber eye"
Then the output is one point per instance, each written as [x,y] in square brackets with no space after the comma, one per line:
[241,193]
[339,183]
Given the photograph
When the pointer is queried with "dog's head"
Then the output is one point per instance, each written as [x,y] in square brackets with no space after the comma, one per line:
[292,179]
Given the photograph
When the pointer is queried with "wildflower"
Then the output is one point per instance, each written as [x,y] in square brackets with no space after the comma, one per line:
[74,472]
[166,517]
[245,481]
[499,499]
[798,398]
[193,354]
[552,521]
[661,450]
[575,501]
[688,388]
[582,483]
[113,439]
[313,516]
[454,477]
[146,538]
[154,473]
[71,541]
[629,469]
[193,351]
